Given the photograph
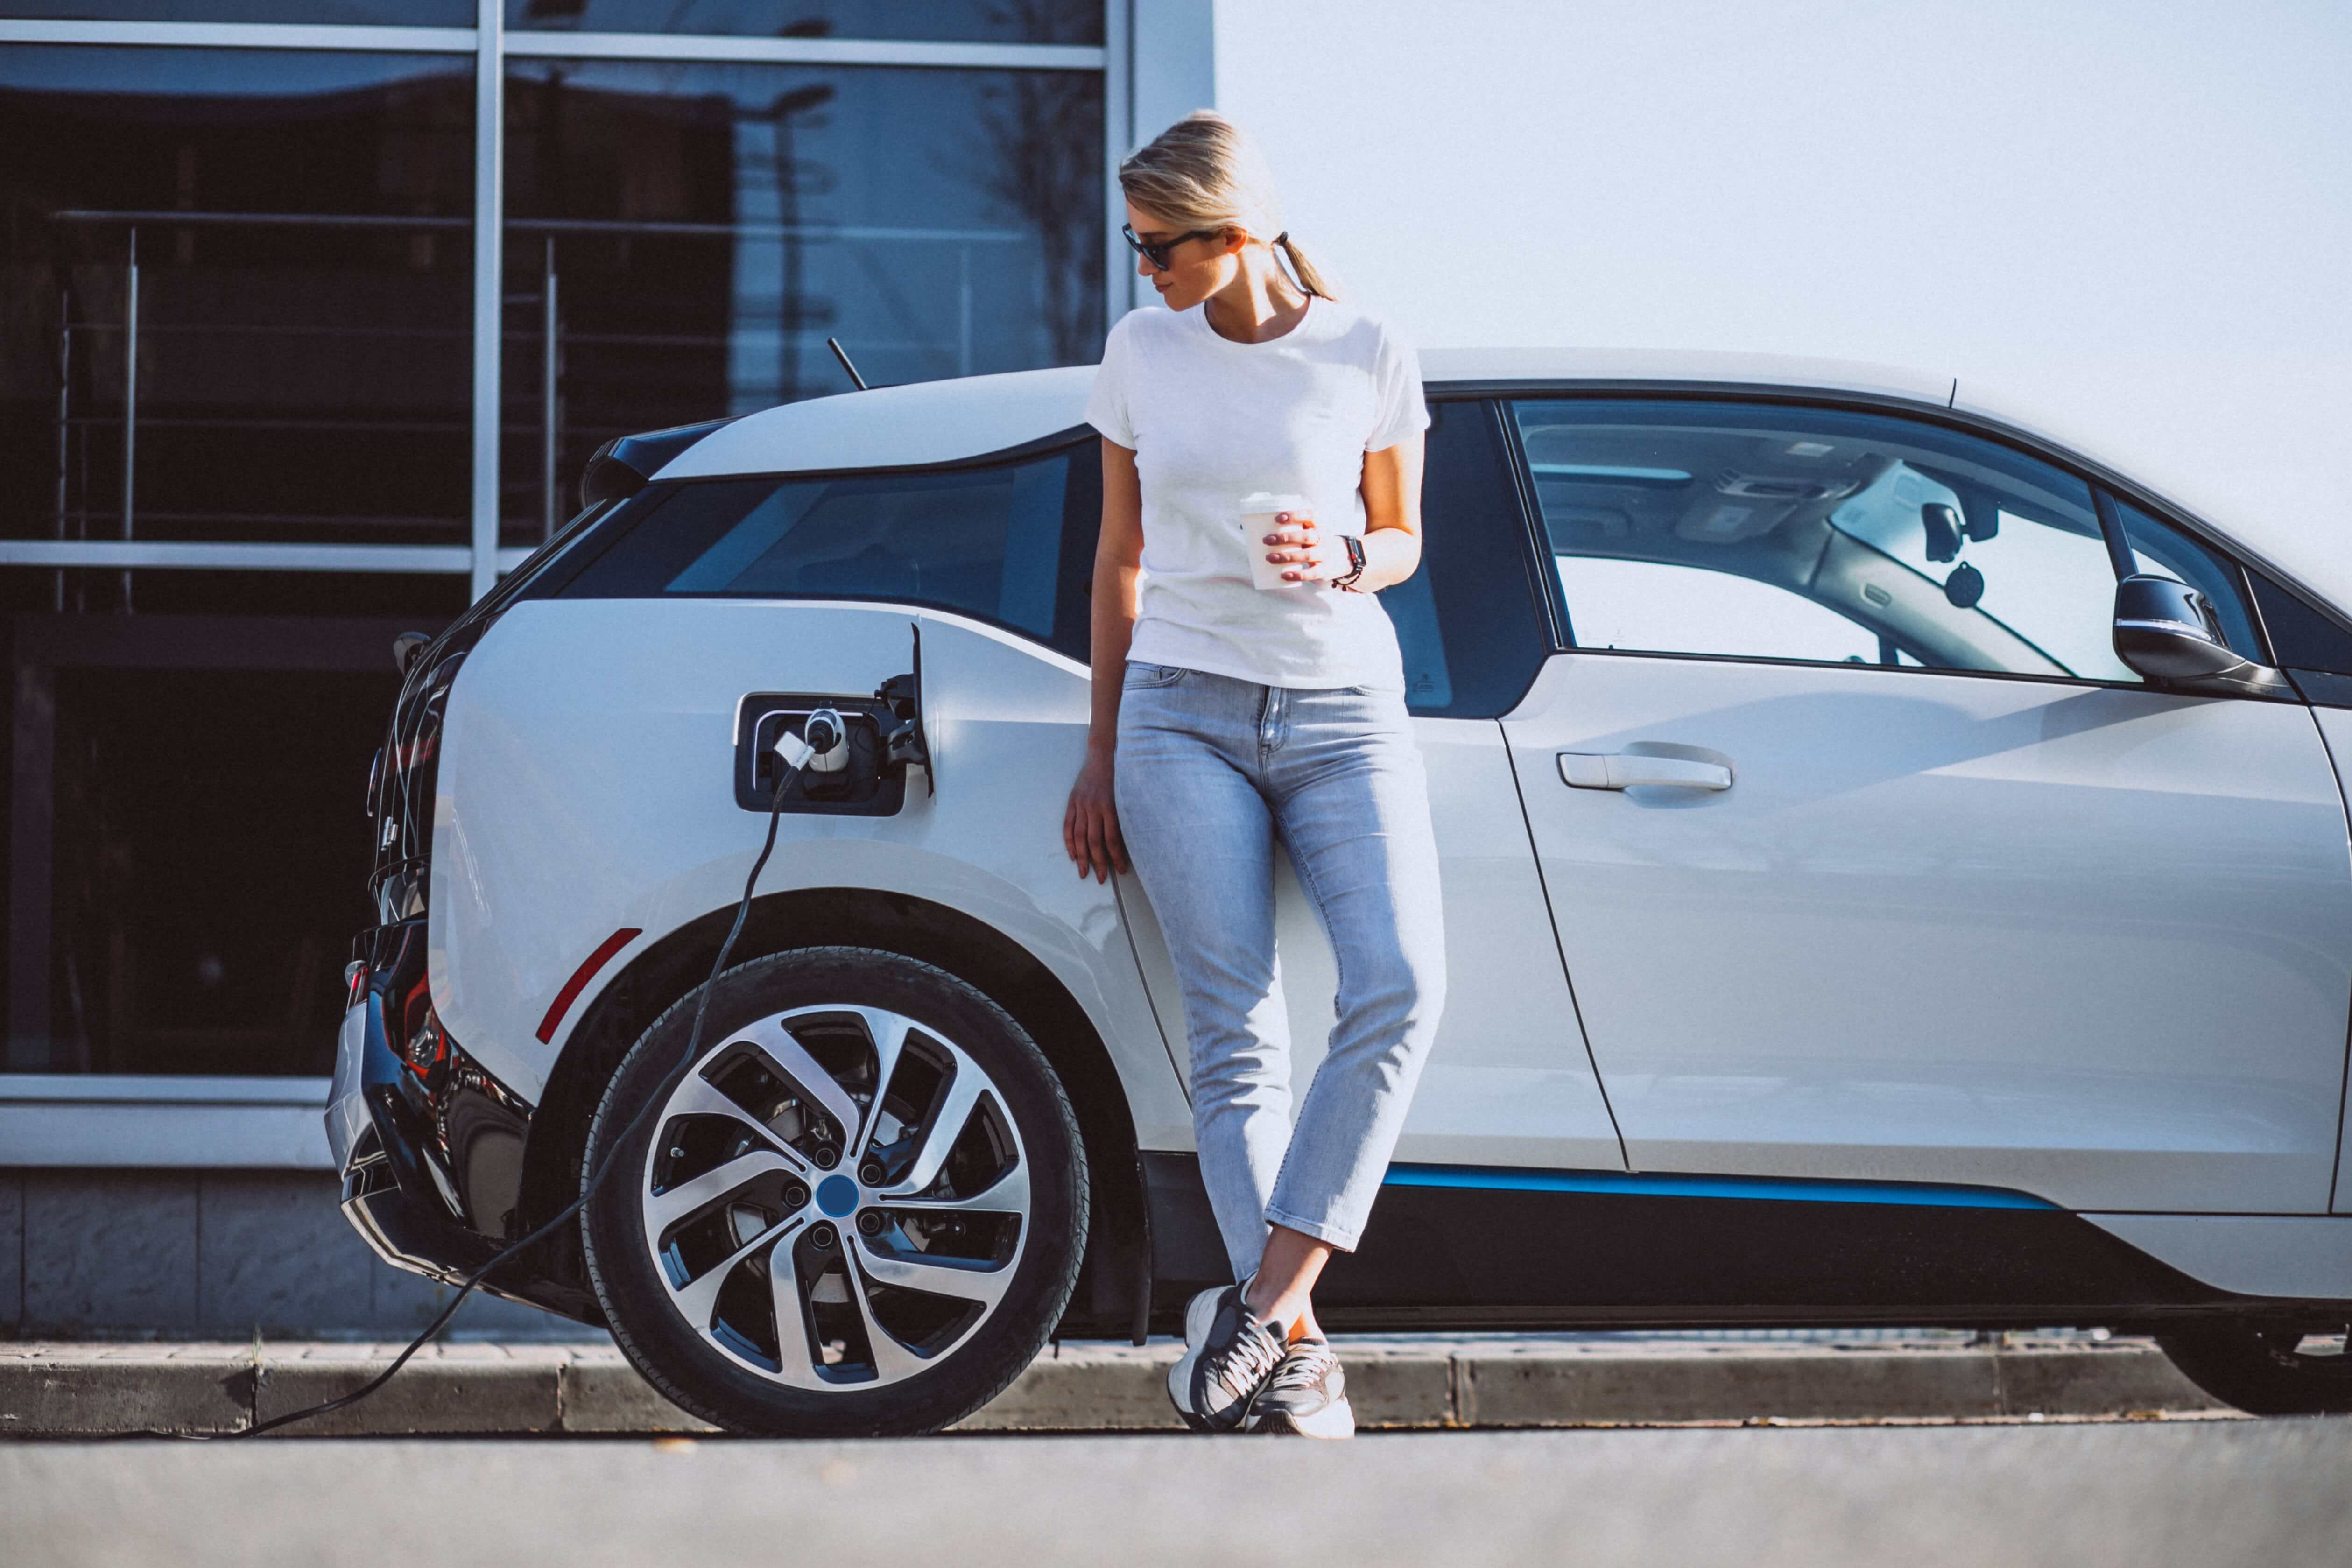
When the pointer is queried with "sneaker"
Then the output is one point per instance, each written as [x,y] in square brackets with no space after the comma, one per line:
[1308,1394]
[1229,1354]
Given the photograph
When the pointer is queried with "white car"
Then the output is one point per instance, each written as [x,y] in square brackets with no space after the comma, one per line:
[1894,873]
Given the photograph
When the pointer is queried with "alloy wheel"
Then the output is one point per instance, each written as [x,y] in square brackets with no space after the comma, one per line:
[835,1198]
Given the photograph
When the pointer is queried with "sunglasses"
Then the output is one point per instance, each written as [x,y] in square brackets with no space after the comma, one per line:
[1156,251]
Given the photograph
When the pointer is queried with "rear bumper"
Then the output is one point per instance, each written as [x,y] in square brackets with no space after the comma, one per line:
[429,1145]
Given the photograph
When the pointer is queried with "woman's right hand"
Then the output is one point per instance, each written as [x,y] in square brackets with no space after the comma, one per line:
[1090,824]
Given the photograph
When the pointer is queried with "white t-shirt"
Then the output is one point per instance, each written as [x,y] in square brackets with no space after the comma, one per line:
[1210,421]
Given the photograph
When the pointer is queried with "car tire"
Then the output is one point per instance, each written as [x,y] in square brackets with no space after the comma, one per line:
[2257,1367]
[962,1128]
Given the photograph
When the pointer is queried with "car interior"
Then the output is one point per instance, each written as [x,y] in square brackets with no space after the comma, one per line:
[1936,549]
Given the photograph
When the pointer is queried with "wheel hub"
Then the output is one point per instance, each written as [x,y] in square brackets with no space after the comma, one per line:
[838,1196]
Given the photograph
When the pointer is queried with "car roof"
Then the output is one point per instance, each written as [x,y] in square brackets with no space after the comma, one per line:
[960,418]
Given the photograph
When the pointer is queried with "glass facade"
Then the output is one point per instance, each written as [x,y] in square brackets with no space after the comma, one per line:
[250,352]
[973,21]
[682,237]
[242,294]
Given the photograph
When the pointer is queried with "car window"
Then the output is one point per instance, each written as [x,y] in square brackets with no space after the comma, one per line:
[1468,622]
[1009,542]
[2302,637]
[1818,534]
[1013,543]
[2162,550]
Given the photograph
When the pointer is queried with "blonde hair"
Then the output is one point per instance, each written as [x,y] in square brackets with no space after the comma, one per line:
[1206,173]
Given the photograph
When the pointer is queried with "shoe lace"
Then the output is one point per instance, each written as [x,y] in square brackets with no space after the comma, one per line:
[1246,1361]
[1308,1360]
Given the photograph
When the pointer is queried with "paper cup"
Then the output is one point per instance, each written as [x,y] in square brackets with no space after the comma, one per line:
[1259,513]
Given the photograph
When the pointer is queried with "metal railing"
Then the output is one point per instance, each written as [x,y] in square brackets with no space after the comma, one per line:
[72,544]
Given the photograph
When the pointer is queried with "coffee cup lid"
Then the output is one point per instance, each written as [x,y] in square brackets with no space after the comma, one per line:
[1273,501]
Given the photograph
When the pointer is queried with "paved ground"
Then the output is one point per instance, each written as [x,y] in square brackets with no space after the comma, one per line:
[1395,1381]
[2201,1493]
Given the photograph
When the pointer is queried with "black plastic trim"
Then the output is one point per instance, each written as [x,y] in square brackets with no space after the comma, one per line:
[435,1183]
[1496,1258]
[2323,688]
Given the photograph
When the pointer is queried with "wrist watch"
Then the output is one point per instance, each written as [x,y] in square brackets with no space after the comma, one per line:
[1355,563]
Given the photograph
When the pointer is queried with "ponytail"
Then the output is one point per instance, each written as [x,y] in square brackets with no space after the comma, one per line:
[1303,270]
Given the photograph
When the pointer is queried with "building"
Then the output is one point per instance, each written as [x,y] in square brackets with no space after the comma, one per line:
[313,311]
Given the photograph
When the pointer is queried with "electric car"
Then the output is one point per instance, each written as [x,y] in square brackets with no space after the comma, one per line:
[1895,871]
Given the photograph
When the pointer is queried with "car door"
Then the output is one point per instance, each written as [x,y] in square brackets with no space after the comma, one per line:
[1508,1080]
[1868,858]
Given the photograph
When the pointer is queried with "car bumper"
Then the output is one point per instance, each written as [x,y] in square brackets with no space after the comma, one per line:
[388,1117]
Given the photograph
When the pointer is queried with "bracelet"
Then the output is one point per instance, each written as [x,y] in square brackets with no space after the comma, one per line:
[1355,547]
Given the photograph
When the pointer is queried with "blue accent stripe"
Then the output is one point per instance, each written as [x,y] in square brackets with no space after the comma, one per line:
[1783,1189]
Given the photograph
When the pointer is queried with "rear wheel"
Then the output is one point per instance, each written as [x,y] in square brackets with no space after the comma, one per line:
[860,1212]
[2267,1369]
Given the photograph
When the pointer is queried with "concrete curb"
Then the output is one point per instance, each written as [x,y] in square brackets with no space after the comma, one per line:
[1397,1382]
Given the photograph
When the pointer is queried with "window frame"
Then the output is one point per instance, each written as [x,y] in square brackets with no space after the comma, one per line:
[2106,486]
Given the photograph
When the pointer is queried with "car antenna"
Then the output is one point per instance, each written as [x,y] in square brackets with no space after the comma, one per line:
[842,355]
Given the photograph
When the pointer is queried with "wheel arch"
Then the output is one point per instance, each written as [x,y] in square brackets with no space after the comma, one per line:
[1000,967]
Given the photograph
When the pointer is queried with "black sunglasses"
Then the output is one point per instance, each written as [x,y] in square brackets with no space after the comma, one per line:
[1156,251]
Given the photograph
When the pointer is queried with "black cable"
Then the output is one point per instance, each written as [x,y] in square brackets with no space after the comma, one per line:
[659,1097]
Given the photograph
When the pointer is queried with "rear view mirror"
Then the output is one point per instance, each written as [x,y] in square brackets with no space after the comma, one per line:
[1942,525]
[2167,631]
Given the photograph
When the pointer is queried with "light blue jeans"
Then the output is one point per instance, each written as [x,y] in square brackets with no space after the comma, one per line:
[1209,771]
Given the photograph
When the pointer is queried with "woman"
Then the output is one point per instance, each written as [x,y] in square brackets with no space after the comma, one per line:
[1226,714]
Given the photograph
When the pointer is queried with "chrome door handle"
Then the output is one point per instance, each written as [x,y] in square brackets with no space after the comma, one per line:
[1628,770]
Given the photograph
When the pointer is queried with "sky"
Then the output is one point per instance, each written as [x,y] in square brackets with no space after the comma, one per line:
[2133,217]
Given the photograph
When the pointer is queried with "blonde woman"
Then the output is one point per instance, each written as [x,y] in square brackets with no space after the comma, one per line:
[1227,716]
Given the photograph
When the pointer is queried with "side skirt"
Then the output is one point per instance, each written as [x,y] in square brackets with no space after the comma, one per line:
[1469,1248]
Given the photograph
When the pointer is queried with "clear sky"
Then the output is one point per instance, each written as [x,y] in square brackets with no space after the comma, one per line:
[2135,214]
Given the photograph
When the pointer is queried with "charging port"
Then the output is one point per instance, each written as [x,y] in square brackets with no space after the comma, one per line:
[859,781]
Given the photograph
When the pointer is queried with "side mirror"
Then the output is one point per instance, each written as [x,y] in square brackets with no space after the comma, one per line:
[2166,631]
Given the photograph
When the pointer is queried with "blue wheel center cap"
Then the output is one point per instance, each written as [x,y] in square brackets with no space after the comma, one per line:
[836,1195]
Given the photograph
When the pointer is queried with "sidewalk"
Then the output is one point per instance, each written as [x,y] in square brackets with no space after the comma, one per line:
[1394,1381]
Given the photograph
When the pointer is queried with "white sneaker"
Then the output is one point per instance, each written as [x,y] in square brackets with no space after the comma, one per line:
[1229,1355]
[1308,1394]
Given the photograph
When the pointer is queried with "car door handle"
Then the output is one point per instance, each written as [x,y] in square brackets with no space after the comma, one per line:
[1628,770]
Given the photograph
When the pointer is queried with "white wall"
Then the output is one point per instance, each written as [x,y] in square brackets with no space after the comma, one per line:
[2136,214]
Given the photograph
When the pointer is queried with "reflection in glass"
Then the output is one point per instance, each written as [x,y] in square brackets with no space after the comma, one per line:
[1817,535]
[683,238]
[318,13]
[967,21]
[241,288]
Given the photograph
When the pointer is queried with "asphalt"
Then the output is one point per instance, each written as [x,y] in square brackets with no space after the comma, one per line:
[2147,1494]
[1403,1382]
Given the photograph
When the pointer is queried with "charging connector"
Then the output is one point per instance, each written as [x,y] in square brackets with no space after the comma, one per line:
[825,737]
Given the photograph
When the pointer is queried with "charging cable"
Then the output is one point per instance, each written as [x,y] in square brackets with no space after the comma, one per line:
[821,732]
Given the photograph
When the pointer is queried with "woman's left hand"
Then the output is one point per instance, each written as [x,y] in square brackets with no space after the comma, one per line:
[1303,552]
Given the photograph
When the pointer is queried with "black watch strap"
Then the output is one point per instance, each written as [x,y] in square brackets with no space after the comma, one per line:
[1355,561]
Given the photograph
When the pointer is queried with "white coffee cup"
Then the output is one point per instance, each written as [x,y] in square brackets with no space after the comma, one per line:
[1259,510]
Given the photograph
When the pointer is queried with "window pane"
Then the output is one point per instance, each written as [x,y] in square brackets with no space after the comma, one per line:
[302,288]
[2301,637]
[2165,552]
[995,542]
[188,858]
[693,233]
[1647,605]
[978,21]
[1468,622]
[322,12]
[1817,535]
